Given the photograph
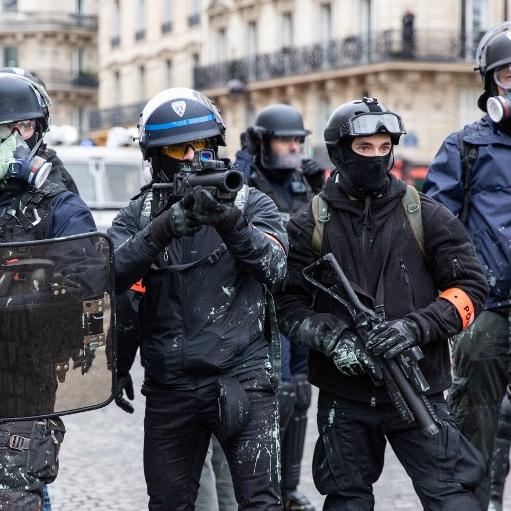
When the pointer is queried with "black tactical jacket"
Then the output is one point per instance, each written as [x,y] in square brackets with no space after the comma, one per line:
[290,196]
[209,319]
[361,240]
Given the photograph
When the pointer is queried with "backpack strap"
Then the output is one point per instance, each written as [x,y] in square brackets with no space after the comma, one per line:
[412,206]
[321,217]
[468,153]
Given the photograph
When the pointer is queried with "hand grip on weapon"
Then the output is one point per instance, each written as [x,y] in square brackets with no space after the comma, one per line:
[124,384]
[174,222]
[349,355]
[204,209]
[390,338]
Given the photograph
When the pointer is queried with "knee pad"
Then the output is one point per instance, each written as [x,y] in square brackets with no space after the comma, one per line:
[303,393]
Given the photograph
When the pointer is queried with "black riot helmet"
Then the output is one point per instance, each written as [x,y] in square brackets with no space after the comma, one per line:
[276,121]
[493,52]
[361,175]
[24,99]
[179,115]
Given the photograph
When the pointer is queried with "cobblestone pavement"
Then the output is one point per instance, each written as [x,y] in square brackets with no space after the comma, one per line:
[101,465]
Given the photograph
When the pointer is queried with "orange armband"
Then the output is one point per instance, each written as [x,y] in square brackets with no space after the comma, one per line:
[138,287]
[462,302]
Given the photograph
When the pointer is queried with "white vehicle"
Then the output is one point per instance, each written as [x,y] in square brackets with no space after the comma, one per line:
[106,177]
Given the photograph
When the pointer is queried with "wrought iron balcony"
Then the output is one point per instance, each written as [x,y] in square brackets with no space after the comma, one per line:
[57,79]
[390,45]
[57,20]
[116,116]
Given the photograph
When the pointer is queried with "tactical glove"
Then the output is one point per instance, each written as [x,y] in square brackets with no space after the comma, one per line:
[204,209]
[174,222]
[311,167]
[390,338]
[351,358]
[124,383]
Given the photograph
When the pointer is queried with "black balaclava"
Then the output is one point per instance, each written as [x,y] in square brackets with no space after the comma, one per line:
[361,175]
[278,176]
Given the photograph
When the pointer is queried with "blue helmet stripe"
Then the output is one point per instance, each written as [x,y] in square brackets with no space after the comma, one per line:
[178,124]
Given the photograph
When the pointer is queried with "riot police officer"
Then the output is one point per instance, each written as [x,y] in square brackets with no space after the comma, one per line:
[274,162]
[205,262]
[31,208]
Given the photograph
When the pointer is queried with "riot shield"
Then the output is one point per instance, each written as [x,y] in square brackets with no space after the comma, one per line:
[57,348]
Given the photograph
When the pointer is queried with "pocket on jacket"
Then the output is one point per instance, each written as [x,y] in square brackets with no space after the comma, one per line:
[406,280]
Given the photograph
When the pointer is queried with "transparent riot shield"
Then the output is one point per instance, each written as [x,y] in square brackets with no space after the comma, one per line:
[57,349]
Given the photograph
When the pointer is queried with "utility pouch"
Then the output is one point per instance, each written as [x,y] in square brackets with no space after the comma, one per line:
[43,453]
[233,411]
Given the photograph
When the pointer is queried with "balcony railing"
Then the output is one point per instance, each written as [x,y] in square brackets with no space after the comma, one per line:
[390,45]
[116,116]
[61,20]
[55,79]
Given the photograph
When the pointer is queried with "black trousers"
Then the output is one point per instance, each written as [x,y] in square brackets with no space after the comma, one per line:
[349,456]
[178,427]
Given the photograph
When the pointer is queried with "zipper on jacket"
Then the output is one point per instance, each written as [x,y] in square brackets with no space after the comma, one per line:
[404,270]
[373,400]
[455,267]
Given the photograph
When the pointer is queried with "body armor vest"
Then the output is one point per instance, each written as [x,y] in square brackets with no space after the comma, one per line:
[26,217]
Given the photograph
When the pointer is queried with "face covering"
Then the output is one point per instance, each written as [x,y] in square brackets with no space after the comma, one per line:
[18,161]
[366,175]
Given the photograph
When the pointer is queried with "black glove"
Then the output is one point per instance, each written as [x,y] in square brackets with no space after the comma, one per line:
[205,209]
[124,383]
[350,356]
[311,167]
[175,222]
[390,338]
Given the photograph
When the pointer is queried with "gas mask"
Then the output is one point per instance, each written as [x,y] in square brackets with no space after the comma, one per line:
[19,161]
[499,106]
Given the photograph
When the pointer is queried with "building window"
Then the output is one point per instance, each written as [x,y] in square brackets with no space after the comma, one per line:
[169,77]
[194,12]
[325,23]
[11,56]
[140,33]
[166,26]
[287,29]
[252,39]
[10,5]
[78,61]
[79,7]
[117,88]
[141,83]
[116,23]
[365,18]
[221,45]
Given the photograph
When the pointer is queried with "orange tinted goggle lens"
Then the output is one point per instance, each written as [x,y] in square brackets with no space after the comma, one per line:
[178,151]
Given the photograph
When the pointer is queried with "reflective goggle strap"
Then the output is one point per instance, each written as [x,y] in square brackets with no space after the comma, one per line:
[462,302]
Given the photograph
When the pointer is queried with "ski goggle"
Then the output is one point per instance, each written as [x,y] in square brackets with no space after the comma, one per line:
[25,128]
[502,77]
[178,151]
[373,123]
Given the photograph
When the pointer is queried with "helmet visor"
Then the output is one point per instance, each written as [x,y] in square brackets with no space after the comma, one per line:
[373,123]
[282,152]
[178,151]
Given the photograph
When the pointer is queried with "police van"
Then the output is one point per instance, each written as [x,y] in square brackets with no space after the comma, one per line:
[106,177]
